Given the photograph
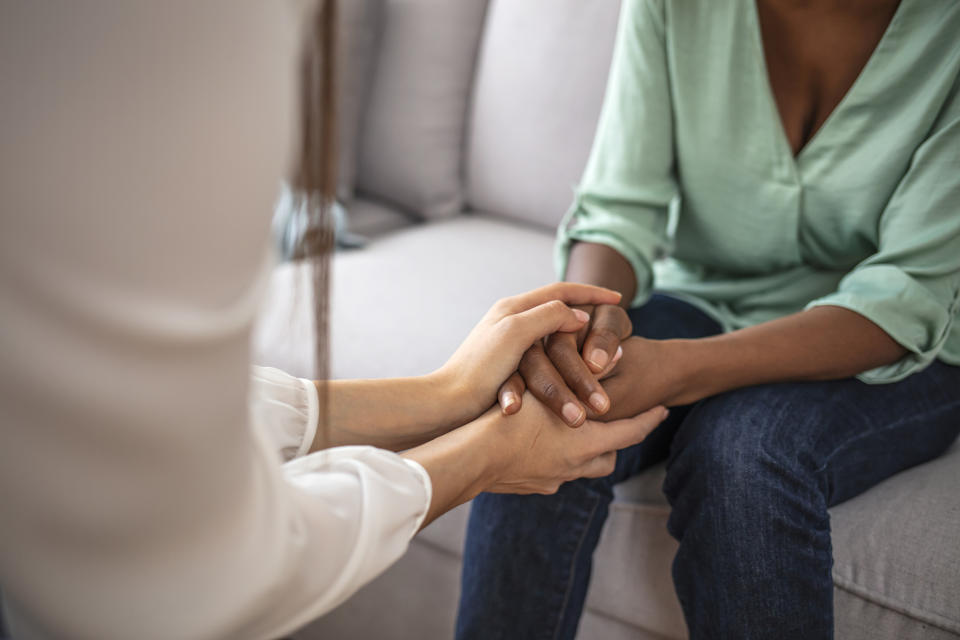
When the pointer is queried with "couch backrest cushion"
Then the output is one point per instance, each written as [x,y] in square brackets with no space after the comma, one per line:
[411,148]
[359,22]
[541,73]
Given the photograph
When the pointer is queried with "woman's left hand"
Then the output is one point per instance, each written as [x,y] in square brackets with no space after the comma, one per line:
[492,351]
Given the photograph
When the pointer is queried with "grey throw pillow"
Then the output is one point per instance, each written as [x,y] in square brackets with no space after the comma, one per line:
[411,147]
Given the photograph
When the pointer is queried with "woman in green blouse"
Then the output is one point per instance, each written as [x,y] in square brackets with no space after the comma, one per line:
[797,167]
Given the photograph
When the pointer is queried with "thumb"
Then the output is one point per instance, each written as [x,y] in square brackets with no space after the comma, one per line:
[619,434]
[543,320]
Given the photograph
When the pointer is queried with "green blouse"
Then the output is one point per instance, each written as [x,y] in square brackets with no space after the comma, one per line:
[692,180]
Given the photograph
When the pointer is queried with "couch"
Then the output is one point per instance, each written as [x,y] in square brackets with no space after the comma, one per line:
[464,126]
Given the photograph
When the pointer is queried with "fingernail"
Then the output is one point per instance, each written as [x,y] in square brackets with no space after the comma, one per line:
[666,412]
[618,354]
[598,402]
[582,315]
[599,358]
[571,413]
[509,399]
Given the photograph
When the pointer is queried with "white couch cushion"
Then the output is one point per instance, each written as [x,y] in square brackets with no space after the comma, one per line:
[411,147]
[403,304]
[541,74]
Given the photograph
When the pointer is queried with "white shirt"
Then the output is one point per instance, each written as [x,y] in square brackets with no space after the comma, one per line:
[141,147]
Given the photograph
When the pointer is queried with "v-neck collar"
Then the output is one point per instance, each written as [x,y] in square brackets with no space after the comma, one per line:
[836,113]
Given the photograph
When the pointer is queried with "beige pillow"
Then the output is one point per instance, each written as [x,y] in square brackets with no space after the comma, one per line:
[411,147]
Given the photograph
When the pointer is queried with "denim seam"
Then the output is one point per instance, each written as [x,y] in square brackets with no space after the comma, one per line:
[895,605]
[572,572]
[896,425]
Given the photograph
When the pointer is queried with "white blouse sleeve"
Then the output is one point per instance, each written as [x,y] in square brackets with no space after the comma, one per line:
[142,150]
[286,407]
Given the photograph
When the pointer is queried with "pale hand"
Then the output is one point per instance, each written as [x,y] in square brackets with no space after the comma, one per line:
[537,451]
[492,351]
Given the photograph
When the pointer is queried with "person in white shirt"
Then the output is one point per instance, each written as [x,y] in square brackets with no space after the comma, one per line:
[142,488]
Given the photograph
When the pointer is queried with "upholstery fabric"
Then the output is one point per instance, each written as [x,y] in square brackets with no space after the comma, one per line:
[381,308]
[359,23]
[411,148]
[541,73]
[370,218]
[896,547]
[421,326]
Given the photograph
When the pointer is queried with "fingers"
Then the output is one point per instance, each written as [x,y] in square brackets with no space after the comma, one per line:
[609,369]
[610,325]
[562,350]
[568,292]
[523,329]
[546,384]
[510,395]
[620,434]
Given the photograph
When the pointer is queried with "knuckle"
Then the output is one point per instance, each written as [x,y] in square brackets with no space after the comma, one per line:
[604,335]
[608,465]
[507,325]
[505,305]
[554,305]
[549,389]
[558,348]
[550,488]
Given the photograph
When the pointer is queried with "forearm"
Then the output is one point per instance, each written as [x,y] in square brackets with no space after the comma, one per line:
[460,464]
[824,343]
[393,414]
[603,266]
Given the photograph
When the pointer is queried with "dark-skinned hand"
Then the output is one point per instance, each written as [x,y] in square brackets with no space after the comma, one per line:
[564,370]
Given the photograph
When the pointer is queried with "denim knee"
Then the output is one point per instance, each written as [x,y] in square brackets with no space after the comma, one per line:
[740,460]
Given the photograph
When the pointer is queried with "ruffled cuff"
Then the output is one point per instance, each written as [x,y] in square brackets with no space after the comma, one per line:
[286,407]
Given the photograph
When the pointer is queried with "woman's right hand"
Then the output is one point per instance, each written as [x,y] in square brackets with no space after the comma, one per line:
[534,451]
[531,451]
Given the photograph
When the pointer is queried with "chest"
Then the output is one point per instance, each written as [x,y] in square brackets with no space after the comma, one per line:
[814,52]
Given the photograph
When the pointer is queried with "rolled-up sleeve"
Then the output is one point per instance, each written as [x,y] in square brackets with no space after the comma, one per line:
[627,187]
[910,287]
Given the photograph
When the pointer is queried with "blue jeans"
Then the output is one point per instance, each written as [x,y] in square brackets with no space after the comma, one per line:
[750,476]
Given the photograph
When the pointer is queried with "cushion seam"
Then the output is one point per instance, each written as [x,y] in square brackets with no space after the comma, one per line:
[887,602]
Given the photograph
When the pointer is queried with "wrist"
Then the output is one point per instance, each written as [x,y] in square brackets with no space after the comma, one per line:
[447,390]
[491,446]
[686,371]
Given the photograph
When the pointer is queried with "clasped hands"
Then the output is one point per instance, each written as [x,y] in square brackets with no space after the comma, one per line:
[525,354]
[596,372]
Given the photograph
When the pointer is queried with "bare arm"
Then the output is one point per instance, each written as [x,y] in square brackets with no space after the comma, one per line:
[824,343]
[600,265]
[393,414]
